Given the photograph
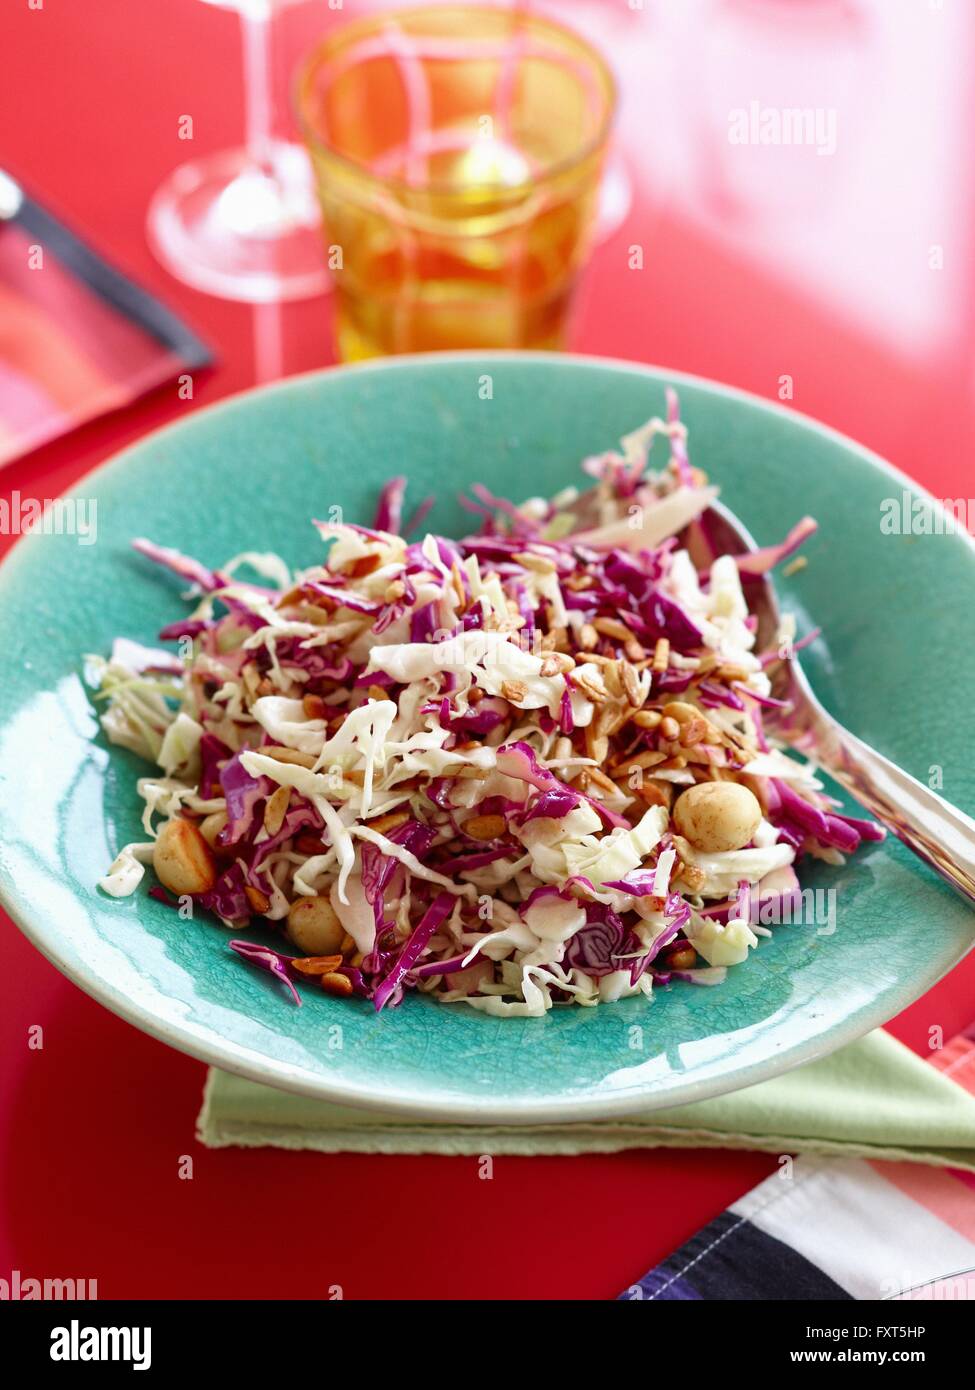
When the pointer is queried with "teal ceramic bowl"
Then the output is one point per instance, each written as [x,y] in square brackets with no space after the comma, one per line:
[248,474]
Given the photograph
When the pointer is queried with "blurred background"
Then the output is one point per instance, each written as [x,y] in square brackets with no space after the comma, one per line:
[844,265]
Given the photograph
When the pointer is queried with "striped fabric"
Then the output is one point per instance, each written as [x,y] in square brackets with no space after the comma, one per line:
[77,339]
[837,1229]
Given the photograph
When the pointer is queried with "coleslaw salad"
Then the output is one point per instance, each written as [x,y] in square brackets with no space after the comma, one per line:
[534,767]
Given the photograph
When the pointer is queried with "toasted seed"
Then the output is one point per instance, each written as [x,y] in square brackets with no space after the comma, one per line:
[514,690]
[259,901]
[378,692]
[612,627]
[592,692]
[597,745]
[336,984]
[475,695]
[706,754]
[275,809]
[390,821]
[288,755]
[323,601]
[661,655]
[615,718]
[608,716]
[365,564]
[588,637]
[492,623]
[484,827]
[679,955]
[541,564]
[578,582]
[681,711]
[693,732]
[314,707]
[634,650]
[631,684]
[669,729]
[613,680]
[647,718]
[250,678]
[655,793]
[648,759]
[693,878]
[182,858]
[316,965]
[211,826]
[293,596]
[348,944]
[314,926]
[601,780]
[557,664]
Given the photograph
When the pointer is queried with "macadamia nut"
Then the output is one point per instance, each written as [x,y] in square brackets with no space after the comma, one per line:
[182,858]
[717,816]
[314,927]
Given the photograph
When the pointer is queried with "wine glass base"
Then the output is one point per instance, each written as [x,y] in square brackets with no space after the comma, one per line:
[228,227]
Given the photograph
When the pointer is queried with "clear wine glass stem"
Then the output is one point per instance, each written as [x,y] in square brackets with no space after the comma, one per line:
[243,223]
[255,23]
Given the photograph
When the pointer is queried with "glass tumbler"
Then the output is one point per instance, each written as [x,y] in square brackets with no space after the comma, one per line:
[457,154]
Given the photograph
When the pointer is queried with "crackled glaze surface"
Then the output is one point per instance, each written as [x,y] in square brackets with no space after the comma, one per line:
[248,474]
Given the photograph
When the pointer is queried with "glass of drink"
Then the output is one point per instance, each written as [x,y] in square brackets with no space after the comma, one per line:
[457,154]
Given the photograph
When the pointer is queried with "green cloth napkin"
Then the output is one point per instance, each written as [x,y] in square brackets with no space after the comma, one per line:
[872,1099]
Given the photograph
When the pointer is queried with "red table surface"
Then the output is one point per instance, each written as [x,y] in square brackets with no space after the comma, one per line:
[95,1125]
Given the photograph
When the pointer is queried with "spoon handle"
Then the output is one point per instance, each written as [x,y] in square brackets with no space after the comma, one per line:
[936,831]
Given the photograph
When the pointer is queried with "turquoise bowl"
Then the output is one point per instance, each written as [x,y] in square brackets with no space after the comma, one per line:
[247,474]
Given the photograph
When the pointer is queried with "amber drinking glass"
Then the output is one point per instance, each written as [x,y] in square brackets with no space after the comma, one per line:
[457,154]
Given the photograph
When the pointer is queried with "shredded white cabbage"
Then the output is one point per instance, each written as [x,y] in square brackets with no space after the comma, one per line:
[127,869]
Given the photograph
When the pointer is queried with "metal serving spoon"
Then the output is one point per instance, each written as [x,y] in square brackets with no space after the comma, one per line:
[936,831]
